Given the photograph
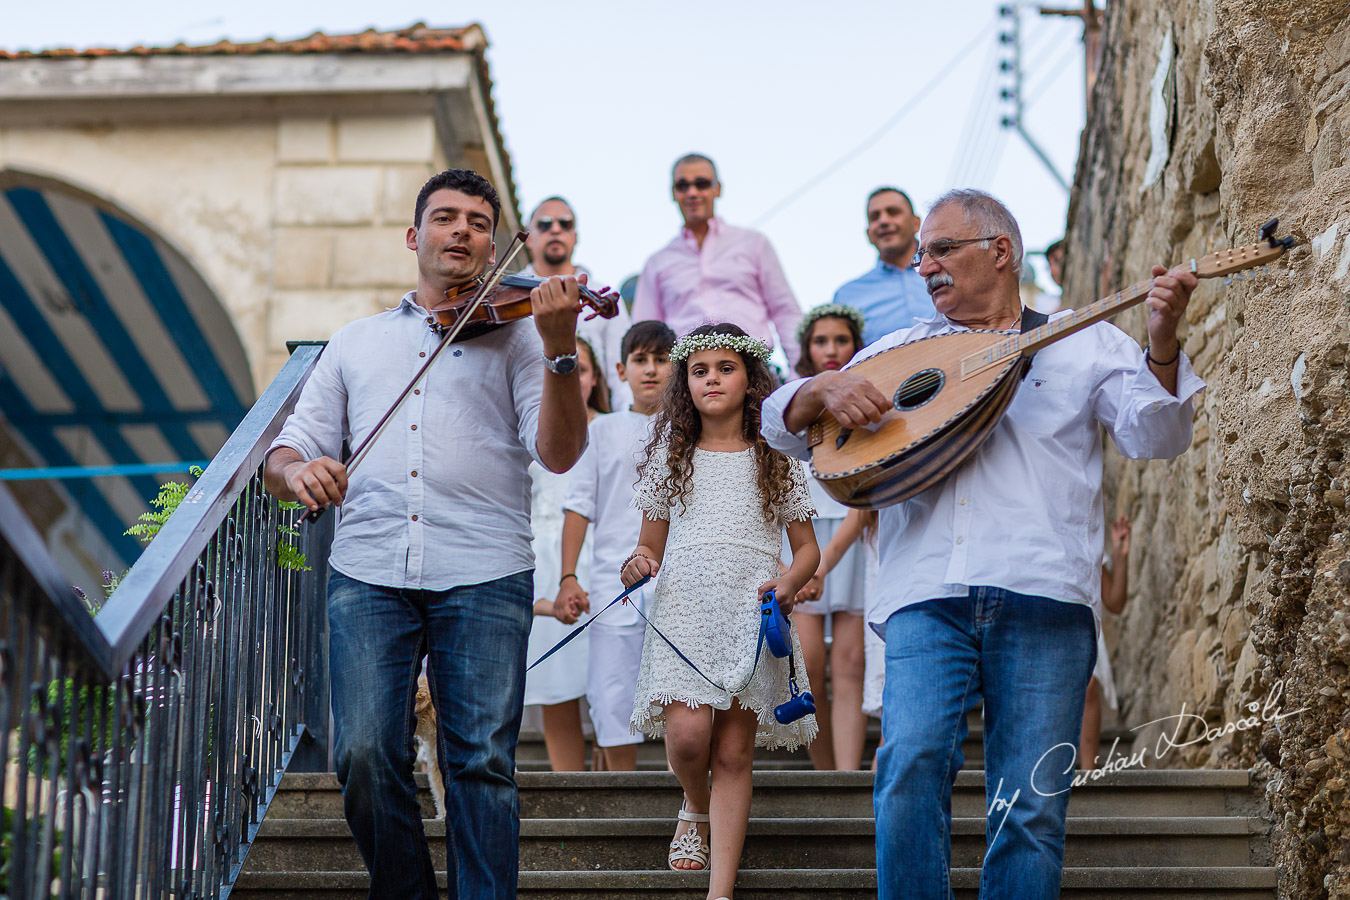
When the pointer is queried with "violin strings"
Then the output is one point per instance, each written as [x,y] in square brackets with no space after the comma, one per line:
[495,276]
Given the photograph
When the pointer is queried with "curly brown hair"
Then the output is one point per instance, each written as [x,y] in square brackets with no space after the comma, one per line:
[679,426]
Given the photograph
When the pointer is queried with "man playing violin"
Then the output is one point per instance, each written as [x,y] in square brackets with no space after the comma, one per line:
[988,588]
[432,552]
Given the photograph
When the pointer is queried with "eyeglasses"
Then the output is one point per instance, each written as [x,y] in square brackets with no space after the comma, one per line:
[940,248]
[698,184]
[546,224]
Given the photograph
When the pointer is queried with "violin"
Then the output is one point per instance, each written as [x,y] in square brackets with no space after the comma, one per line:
[507,301]
[475,310]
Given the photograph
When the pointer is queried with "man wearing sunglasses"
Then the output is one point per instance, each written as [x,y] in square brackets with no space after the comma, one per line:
[891,295]
[988,587]
[715,272]
[552,240]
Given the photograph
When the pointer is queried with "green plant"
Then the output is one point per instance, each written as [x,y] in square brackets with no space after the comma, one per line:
[62,694]
[289,555]
[8,821]
[171,493]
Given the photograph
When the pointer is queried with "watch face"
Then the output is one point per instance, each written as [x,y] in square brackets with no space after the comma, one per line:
[564,365]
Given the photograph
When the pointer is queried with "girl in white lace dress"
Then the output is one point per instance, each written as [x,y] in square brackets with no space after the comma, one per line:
[715,500]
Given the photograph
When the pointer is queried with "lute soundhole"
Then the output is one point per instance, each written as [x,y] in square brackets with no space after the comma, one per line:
[918,389]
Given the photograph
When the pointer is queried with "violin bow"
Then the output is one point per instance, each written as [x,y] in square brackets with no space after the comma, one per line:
[495,276]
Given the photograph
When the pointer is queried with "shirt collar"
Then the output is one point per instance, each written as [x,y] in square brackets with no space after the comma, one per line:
[714,227]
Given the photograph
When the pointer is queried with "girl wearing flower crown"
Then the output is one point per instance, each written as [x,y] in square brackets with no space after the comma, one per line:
[715,501]
[830,335]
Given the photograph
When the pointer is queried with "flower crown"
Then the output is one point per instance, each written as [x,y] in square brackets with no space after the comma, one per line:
[692,343]
[831,309]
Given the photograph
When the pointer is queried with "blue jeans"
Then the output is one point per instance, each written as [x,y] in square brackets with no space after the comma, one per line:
[1029,659]
[476,639]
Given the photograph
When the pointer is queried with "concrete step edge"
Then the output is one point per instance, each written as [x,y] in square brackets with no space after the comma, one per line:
[1220,779]
[1170,878]
[1121,826]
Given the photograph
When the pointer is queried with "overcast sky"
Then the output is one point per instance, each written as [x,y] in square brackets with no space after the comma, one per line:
[597,99]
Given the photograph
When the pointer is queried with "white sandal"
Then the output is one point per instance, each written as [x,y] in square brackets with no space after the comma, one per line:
[689,845]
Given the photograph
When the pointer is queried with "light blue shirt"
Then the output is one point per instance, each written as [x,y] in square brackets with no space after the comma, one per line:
[891,298]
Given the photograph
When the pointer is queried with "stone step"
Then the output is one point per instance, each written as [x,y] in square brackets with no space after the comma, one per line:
[562,795]
[1134,883]
[838,843]
[532,755]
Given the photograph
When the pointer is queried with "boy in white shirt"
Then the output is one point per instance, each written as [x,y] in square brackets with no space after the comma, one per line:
[601,492]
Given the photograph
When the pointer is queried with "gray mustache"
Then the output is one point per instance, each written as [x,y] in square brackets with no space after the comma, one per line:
[933,282]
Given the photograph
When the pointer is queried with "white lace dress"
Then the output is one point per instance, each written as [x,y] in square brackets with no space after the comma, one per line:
[719,551]
[562,676]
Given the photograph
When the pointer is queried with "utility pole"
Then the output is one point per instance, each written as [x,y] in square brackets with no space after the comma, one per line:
[1092,38]
[1011,65]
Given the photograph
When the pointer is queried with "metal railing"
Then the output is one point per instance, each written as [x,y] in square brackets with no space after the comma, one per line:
[143,746]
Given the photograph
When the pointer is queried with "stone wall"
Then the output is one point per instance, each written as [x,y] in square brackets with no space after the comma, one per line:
[1239,570]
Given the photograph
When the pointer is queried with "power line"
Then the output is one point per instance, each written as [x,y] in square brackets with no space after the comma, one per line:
[1053,76]
[890,123]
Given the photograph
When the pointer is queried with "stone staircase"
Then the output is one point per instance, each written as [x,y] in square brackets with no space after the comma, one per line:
[1138,834]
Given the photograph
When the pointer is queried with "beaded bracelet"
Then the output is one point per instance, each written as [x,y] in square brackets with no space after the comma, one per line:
[634,556]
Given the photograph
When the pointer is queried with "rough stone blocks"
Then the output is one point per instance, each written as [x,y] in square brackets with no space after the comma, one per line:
[329,195]
[374,257]
[409,139]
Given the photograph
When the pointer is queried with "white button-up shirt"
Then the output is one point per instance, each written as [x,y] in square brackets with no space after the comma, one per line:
[601,488]
[442,499]
[1025,512]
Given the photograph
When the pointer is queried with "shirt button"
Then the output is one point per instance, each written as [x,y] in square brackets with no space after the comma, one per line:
[959,540]
[417,390]
[423,353]
[963,501]
[414,428]
[414,517]
[414,473]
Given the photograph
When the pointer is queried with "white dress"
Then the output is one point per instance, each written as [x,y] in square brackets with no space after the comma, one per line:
[562,677]
[719,551]
[844,589]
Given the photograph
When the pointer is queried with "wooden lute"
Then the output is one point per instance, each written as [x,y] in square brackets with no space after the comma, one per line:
[950,391]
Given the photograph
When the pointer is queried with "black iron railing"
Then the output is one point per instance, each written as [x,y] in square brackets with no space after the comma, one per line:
[142,747]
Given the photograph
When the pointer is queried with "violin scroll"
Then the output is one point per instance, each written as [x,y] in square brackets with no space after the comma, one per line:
[509,301]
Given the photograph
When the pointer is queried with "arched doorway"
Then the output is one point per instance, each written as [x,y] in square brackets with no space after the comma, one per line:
[117,360]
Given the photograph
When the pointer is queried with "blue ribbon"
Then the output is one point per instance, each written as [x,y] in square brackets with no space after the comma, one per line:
[759,644]
[576,631]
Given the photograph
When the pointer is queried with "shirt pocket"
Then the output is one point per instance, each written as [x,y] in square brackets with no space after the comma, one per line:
[1041,404]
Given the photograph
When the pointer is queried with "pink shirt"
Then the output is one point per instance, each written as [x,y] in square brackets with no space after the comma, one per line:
[735,277]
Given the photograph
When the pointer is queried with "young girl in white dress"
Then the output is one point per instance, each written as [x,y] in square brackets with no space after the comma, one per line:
[715,500]
[830,335]
[558,685]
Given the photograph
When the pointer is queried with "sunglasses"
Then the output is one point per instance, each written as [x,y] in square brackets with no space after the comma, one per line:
[698,184]
[546,224]
[940,248]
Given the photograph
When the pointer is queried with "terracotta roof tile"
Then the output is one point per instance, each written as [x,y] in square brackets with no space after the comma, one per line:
[413,39]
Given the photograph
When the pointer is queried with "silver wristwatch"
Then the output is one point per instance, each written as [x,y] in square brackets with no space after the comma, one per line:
[565,364]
